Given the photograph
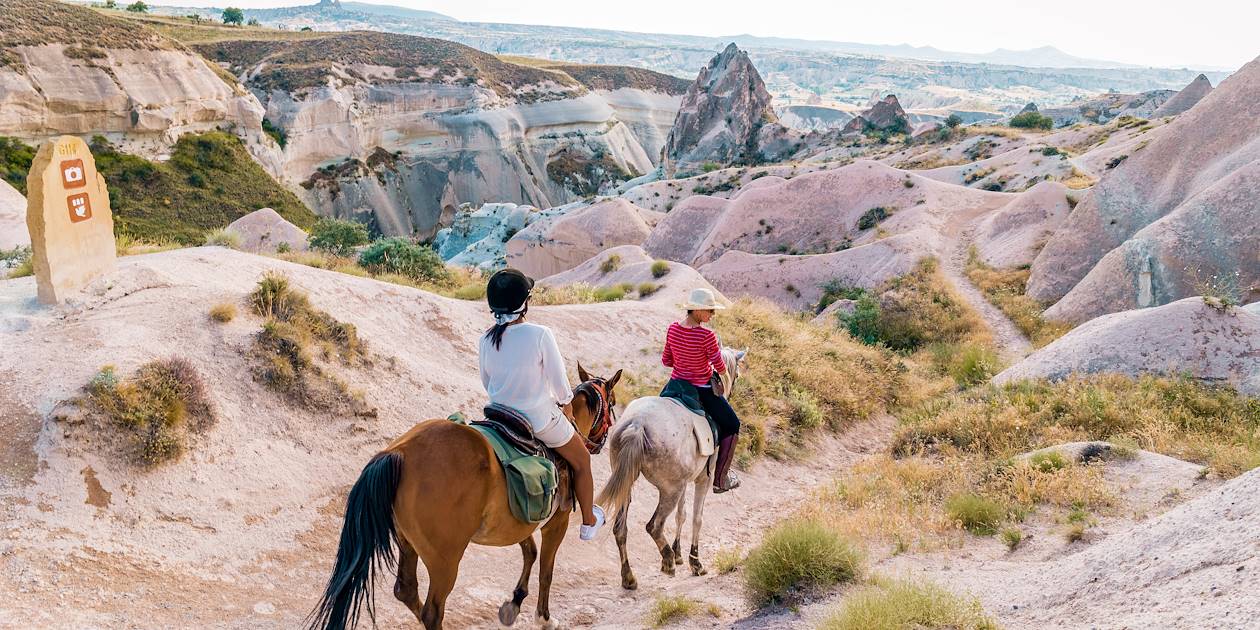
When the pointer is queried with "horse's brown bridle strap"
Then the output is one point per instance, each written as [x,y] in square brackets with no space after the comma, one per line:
[603,418]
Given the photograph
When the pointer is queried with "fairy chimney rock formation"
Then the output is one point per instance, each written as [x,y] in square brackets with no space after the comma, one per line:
[884,114]
[1186,98]
[68,215]
[720,114]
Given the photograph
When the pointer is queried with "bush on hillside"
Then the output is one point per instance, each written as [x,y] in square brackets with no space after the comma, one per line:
[668,609]
[294,339]
[209,182]
[401,256]
[15,162]
[159,408]
[338,237]
[1032,120]
[914,310]
[872,217]
[660,268]
[799,557]
[976,514]
[953,120]
[902,605]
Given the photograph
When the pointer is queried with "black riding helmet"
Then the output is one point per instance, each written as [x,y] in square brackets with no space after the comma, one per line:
[508,290]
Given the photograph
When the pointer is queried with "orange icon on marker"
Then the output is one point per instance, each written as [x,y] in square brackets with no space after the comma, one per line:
[72,175]
[80,207]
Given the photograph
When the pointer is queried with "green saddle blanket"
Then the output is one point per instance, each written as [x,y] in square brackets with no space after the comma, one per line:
[531,480]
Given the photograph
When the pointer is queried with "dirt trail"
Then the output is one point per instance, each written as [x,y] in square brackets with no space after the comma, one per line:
[102,590]
[1011,343]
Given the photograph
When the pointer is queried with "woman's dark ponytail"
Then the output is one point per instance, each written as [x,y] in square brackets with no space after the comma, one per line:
[495,333]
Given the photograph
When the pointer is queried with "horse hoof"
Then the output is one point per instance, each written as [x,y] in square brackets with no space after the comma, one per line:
[629,583]
[508,612]
[698,570]
[668,569]
[548,624]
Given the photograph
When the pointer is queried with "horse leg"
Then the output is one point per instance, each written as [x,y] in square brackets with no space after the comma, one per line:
[443,567]
[509,610]
[703,483]
[406,587]
[656,526]
[680,520]
[619,532]
[552,535]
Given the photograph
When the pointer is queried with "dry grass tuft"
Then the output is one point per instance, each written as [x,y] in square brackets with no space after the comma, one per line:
[727,560]
[1005,288]
[669,609]
[223,313]
[800,557]
[904,605]
[295,339]
[159,407]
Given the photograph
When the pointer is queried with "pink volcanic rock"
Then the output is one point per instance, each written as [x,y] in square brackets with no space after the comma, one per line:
[554,244]
[1180,172]
[1186,98]
[13,231]
[1013,235]
[634,268]
[264,230]
[1186,336]
[816,212]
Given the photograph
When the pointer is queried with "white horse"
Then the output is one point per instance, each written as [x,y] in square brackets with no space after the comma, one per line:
[656,437]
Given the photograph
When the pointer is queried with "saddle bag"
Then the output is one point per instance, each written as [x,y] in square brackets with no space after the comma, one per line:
[531,478]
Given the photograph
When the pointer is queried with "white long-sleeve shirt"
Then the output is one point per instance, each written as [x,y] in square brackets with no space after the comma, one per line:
[526,373]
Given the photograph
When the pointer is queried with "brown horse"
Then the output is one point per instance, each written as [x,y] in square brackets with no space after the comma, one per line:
[433,491]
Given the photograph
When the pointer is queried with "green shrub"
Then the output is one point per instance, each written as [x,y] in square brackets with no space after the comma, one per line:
[864,322]
[401,256]
[975,513]
[709,167]
[803,411]
[221,237]
[972,364]
[647,288]
[904,605]
[796,557]
[670,608]
[953,120]
[610,264]
[1032,120]
[338,237]
[835,290]
[275,132]
[1011,536]
[158,408]
[660,268]
[613,293]
[15,162]
[872,217]
[1048,461]
[1050,151]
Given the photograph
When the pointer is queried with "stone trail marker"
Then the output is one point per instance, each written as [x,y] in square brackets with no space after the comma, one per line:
[67,213]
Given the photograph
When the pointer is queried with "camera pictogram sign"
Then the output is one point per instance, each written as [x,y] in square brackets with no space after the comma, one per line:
[73,174]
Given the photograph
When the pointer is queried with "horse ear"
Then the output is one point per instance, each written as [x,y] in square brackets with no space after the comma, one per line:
[582,375]
[612,382]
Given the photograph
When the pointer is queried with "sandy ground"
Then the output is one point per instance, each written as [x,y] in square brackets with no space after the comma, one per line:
[1011,343]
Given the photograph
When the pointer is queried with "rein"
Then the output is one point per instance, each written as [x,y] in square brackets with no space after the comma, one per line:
[605,415]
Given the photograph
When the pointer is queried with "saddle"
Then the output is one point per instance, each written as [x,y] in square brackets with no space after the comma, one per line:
[533,471]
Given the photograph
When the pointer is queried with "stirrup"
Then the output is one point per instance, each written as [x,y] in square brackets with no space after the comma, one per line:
[732,482]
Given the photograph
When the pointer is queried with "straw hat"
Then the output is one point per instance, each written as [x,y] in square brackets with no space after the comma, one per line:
[702,300]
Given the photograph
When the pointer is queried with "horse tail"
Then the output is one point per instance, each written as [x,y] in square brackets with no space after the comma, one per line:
[628,448]
[368,536]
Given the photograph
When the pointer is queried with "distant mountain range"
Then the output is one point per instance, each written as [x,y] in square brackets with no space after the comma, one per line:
[796,70]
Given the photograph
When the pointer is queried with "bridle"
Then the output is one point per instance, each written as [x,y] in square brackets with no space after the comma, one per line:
[605,415]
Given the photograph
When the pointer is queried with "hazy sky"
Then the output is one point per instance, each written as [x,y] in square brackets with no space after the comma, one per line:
[1215,33]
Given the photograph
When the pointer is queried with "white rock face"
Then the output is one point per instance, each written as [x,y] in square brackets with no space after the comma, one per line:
[478,238]
[456,144]
[1188,336]
[143,100]
[13,231]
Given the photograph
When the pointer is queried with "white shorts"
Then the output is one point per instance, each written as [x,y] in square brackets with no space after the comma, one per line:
[556,432]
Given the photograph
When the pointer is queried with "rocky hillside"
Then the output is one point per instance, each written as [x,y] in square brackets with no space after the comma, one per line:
[399,130]
[1175,218]
[69,69]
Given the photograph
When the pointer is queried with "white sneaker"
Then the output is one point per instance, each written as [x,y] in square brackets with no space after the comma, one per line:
[588,532]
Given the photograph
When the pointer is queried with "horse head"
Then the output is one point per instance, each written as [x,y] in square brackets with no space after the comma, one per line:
[597,413]
[734,360]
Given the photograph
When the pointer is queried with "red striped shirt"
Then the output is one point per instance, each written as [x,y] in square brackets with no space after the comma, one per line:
[693,353]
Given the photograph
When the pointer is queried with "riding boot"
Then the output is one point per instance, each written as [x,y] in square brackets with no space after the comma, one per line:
[723,478]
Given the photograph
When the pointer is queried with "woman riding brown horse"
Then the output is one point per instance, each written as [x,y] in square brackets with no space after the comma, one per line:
[433,491]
